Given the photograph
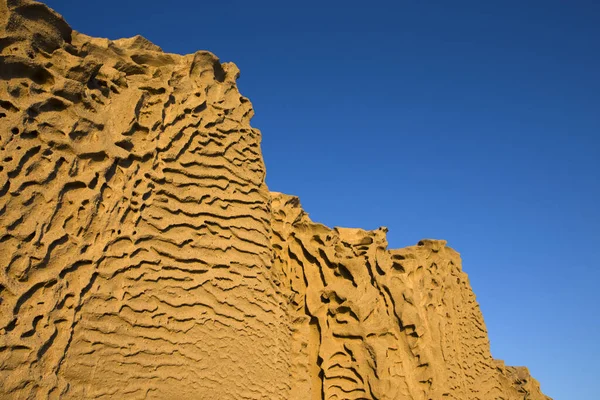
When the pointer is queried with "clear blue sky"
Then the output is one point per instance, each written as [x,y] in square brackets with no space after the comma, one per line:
[473,121]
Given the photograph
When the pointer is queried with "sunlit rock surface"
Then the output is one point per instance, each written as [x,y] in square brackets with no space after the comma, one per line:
[143,256]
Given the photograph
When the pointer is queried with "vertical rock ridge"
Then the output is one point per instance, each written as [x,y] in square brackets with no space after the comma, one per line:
[393,324]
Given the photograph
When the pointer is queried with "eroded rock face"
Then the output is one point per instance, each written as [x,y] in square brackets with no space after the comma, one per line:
[372,323]
[135,223]
[142,255]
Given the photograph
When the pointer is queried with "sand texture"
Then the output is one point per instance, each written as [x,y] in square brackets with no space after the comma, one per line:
[143,256]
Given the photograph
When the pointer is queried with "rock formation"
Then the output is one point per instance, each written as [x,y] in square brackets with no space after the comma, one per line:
[143,256]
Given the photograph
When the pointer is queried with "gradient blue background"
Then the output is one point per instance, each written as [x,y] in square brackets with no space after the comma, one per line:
[473,121]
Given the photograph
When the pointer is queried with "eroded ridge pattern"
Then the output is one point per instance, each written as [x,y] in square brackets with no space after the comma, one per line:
[143,257]
[134,222]
[373,323]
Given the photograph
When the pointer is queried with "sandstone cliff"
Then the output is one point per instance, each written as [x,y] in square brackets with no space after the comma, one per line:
[142,255]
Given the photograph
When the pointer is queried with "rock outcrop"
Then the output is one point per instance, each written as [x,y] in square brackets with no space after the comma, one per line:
[372,323]
[143,256]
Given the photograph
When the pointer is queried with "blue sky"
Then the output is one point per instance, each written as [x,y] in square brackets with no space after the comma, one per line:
[473,121]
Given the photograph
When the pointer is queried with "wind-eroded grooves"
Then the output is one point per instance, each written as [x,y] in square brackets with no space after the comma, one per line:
[135,224]
[142,255]
[387,324]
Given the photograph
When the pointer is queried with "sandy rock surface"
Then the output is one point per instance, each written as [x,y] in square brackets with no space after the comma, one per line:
[143,256]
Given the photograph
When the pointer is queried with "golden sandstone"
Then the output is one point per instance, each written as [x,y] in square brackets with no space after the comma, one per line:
[143,256]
